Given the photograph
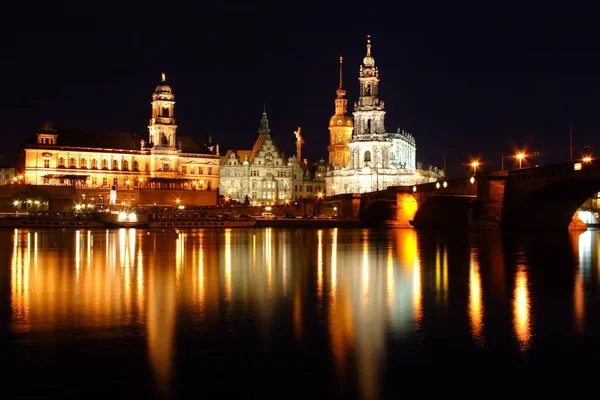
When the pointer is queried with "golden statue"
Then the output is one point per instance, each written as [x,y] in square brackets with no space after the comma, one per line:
[299,142]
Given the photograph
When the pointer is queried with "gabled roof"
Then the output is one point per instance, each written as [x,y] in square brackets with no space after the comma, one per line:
[242,154]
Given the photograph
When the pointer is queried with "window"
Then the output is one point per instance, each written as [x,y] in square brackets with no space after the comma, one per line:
[104,164]
[367,156]
[136,165]
[200,171]
[104,181]
[94,164]
[209,170]
[83,163]
[165,167]
[165,112]
[184,169]
[115,165]
[46,163]
[94,181]
[72,163]
[116,181]
[61,162]
[125,165]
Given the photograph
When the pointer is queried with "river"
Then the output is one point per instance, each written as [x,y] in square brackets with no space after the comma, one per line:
[293,313]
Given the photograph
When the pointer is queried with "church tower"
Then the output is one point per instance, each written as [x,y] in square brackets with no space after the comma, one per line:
[162,124]
[369,111]
[340,129]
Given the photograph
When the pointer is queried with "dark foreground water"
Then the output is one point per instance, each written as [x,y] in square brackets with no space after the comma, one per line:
[254,313]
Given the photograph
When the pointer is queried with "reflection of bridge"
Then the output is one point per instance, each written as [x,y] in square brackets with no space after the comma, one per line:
[537,198]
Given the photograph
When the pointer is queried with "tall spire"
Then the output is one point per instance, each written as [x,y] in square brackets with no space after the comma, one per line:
[369,61]
[340,92]
[264,123]
[341,61]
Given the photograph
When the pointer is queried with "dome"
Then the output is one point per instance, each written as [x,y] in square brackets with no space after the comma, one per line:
[341,120]
[163,87]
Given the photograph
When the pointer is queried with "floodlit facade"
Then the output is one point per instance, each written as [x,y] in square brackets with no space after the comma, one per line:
[266,175]
[363,157]
[101,160]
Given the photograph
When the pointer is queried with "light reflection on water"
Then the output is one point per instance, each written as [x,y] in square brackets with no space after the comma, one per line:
[365,292]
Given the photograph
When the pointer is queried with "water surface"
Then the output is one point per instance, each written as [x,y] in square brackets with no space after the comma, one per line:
[294,313]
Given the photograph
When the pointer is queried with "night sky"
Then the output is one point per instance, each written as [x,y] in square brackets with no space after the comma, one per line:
[463,88]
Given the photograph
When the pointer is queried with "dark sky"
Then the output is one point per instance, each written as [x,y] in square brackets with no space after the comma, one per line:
[470,82]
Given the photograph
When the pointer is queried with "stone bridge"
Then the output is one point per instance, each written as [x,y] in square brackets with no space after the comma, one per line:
[436,204]
[536,198]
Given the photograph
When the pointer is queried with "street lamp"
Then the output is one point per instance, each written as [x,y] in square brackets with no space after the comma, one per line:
[475,164]
[587,159]
[520,156]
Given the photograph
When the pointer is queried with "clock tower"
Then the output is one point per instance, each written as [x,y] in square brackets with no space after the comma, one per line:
[340,129]
[162,125]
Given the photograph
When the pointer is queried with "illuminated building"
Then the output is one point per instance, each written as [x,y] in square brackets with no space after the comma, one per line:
[363,157]
[7,175]
[99,161]
[267,174]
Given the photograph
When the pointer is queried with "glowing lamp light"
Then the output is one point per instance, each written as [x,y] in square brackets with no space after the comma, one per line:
[122,216]
[587,159]
[414,189]
[577,166]
[472,180]
[445,184]
[437,185]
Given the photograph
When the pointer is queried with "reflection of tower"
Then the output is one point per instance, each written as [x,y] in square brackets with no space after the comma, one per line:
[340,129]
[160,321]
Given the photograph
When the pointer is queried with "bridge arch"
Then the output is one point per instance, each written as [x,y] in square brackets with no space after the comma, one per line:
[377,212]
[451,211]
[550,207]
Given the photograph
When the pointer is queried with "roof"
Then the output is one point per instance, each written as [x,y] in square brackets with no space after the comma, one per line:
[191,144]
[242,154]
[114,140]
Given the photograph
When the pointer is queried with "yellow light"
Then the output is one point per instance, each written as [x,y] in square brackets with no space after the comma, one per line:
[141,179]
[587,159]
[475,164]
[472,180]
[177,201]
[520,156]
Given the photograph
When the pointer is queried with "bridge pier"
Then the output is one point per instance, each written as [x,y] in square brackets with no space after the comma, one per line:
[406,208]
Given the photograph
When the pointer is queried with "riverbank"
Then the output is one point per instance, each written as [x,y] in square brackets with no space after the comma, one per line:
[307,223]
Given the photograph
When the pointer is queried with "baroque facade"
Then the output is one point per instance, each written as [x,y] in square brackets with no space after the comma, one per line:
[101,160]
[363,157]
[266,175]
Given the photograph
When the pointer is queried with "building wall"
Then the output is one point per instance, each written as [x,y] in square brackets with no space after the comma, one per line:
[7,174]
[122,169]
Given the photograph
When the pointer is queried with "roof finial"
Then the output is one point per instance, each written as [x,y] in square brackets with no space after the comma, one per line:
[341,60]
[369,45]
[164,77]
[264,108]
